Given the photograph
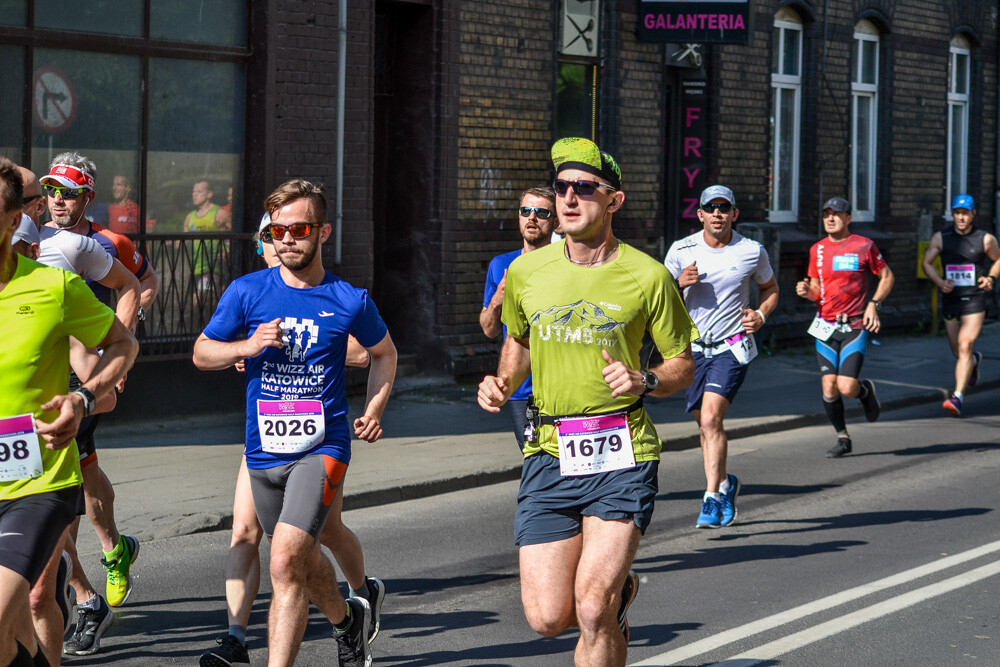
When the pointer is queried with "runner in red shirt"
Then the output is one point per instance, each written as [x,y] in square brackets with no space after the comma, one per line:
[839,268]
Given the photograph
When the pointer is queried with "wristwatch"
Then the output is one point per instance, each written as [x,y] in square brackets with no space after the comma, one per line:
[141,314]
[89,400]
[878,305]
[650,381]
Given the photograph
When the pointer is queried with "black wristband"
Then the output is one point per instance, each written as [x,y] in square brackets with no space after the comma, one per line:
[89,400]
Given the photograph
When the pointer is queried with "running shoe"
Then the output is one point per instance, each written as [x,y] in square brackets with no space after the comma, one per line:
[352,643]
[629,590]
[229,653]
[65,595]
[870,402]
[728,503]
[374,593]
[953,406]
[119,575]
[842,447]
[91,624]
[977,358]
[711,514]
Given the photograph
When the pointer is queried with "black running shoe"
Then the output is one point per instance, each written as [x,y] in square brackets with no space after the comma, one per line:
[842,447]
[629,590]
[352,643]
[870,402]
[229,653]
[374,593]
[91,624]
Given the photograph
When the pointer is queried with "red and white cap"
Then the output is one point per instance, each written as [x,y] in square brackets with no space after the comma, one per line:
[68,177]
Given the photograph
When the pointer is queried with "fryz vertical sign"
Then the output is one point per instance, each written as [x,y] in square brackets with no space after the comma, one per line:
[699,22]
[692,163]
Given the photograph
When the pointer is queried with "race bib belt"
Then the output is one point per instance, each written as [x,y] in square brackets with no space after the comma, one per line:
[961,275]
[590,445]
[20,452]
[821,329]
[743,346]
[290,427]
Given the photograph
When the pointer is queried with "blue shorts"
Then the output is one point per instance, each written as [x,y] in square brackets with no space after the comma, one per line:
[720,374]
[551,507]
[842,353]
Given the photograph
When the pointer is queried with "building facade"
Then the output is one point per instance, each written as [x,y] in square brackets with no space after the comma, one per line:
[448,112]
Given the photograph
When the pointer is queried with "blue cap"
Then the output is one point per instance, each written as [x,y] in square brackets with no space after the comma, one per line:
[717,192]
[963,201]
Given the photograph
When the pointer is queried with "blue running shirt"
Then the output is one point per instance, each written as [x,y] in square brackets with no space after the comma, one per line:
[494,275]
[316,321]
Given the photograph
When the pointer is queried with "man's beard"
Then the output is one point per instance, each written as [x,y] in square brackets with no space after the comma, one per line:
[65,221]
[299,261]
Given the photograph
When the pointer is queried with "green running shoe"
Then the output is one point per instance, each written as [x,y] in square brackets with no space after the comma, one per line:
[119,576]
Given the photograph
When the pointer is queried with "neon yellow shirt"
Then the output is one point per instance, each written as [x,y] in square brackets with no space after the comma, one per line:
[570,313]
[40,308]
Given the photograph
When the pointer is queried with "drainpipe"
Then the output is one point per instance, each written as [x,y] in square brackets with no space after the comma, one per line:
[996,159]
[341,107]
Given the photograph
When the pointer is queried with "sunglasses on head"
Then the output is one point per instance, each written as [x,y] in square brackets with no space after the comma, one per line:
[581,188]
[65,193]
[298,230]
[724,207]
[28,200]
[542,213]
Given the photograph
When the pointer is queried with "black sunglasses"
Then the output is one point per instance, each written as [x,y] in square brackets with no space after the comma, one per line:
[28,200]
[724,207]
[542,213]
[65,193]
[581,188]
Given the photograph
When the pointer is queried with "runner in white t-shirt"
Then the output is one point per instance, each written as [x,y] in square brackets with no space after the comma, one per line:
[714,268]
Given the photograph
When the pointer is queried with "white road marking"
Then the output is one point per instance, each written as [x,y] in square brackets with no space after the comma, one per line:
[823,630]
[742,632]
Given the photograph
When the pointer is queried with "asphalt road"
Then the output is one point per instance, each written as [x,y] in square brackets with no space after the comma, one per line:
[889,556]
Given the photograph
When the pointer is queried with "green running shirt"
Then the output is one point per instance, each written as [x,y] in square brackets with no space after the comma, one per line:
[570,313]
[40,308]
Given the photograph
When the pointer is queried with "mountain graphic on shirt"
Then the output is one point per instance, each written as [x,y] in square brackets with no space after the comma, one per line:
[575,315]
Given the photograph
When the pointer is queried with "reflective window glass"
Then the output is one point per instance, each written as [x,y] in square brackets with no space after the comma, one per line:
[863,147]
[786,149]
[12,101]
[219,22]
[14,12]
[108,17]
[196,116]
[961,74]
[793,41]
[78,104]
[957,148]
[576,91]
[868,61]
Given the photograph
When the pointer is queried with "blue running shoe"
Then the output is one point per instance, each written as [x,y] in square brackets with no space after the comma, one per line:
[728,503]
[711,514]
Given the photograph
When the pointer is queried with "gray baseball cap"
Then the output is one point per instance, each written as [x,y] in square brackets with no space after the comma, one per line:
[717,192]
[26,231]
[837,204]
[265,222]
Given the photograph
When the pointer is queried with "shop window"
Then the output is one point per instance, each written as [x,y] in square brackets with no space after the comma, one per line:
[12,101]
[13,12]
[958,120]
[106,17]
[864,120]
[785,120]
[219,22]
[577,101]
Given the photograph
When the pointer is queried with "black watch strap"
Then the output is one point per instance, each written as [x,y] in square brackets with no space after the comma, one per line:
[89,400]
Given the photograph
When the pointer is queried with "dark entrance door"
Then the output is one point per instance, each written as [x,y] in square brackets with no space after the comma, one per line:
[406,237]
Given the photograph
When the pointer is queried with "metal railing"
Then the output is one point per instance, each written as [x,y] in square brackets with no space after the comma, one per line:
[194,270]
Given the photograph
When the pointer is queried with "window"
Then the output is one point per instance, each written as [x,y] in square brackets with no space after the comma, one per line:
[864,120]
[786,86]
[576,104]
[958,120]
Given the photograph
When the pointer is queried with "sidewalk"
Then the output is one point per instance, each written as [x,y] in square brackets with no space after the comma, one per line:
[177,477]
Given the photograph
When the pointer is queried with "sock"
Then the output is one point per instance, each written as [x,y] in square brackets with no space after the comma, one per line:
[360,593]
[959,395]
[345,624]
[116,552]
[835,413]
[724,487]
[23,658]
[93,603]
[717,496]
[240,632]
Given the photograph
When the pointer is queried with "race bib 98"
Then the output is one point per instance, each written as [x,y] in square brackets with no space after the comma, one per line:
[20,453]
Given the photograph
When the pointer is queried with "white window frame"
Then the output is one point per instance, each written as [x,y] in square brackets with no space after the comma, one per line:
[864,211]
[958,106]
[781,85]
